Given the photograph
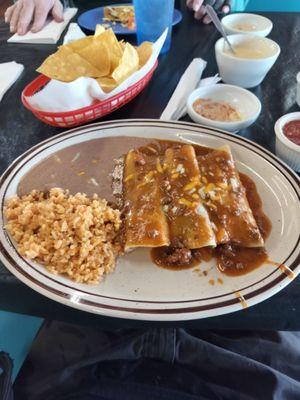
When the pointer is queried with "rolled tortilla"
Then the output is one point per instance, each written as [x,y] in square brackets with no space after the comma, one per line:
[189,223]
[225,199]
[145,222]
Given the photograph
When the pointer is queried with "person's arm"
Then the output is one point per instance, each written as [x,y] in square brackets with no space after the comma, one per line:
[198,6]
[26,12]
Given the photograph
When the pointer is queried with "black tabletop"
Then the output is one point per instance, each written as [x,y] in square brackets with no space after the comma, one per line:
[20,130]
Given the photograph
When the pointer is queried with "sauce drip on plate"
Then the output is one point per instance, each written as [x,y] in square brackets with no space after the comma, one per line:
[286,270]
[241,298]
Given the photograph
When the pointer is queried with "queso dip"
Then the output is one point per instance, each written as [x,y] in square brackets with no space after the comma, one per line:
[254,48]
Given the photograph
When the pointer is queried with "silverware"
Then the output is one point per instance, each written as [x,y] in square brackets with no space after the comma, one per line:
[215,19]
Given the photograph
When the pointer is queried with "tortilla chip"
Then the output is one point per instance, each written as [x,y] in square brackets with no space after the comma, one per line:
[99,29]
[107,84]
[144,52]
[129,64]
[106,13]
[95,51]
[97,54]
[66,66]
[120,13]
[80,43]
[113,46]
[122,44]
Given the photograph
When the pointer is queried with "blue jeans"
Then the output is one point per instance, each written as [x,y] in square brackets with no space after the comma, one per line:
[69,362]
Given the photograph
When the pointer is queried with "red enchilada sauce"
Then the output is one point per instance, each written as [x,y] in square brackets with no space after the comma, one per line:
[292,131]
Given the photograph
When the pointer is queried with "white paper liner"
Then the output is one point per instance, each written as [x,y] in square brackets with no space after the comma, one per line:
[59,96]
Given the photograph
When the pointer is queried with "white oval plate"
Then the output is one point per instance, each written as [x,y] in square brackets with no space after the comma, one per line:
[140,290]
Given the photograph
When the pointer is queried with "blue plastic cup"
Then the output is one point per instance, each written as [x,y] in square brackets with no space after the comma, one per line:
[152,18]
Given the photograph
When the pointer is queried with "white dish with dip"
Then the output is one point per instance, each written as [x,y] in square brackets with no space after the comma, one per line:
[247,23]
[286,149]
[244,102]
[254,57]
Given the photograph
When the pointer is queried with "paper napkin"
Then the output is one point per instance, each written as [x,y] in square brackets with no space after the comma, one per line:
[73,33]
[182,108]
[9,73]
[59,96]
[49,34]
[190,80]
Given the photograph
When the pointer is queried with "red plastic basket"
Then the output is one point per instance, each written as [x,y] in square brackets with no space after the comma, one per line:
[86,114]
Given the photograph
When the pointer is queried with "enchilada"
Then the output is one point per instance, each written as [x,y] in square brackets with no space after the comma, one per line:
[225,199]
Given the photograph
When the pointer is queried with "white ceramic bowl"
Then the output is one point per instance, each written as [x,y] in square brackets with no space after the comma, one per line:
[262,25]
[245,72]
[285,149]
[245,102]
